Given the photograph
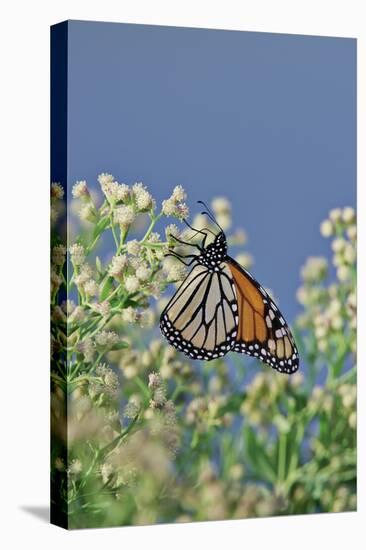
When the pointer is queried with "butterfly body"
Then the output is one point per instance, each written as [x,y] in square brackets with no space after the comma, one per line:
[220,307]
[214,254]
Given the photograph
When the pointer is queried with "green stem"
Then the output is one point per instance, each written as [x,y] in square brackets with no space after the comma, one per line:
[114,235]
[123,236]
[102,325]
[347,375]
[111,446]
[99,356]
[101,453]
[282,457]
[113,293]
[57,378]
[177,391]
[92,245]
[151,227]
[140,383]
[156,245]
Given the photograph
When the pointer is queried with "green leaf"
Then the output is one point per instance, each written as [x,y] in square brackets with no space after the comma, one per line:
[106,289]
[143,387]
[100,227]
[131,303]
[98,265]
[81,239]
[257,456]
[233,405]
[119,345]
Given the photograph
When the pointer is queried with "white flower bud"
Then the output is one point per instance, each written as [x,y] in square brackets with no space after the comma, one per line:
[326,228]
[343,273]
[80,190]
[348,214]
[169,207]
[75,468]
[132,283]
[335,215]
[57,191]
[338,244]
[171,231]
[349,253]
[121,192]
[129,315]
[179,194]
[133,247]
[58,254]
[124,215]
[352,232]
[143,273]
[117,266]
[77,254]
[220,205]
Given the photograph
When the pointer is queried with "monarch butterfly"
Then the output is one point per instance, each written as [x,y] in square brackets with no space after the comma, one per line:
[220,307]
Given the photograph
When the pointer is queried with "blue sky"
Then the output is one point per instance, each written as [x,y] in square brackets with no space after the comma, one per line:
[267,120]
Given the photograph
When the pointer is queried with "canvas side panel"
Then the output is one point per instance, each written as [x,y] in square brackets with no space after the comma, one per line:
[59,51]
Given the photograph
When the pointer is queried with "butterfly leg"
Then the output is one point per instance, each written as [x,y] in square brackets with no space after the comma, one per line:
[205,232]
[186,243]
[181,258]
[202,231]
[203,242]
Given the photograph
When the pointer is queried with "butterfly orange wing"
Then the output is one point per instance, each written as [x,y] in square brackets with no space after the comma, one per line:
[262,330]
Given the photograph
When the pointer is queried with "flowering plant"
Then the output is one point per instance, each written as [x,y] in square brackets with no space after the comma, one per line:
[141,434]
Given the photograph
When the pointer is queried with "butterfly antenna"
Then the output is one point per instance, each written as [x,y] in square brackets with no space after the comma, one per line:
[198,230]
[210,215]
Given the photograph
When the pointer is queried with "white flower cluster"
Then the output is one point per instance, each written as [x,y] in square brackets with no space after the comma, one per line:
[133,247]
[113,190]
[80,190]
[57,205]
[143,199]
[129,315]
[341,223]
[174,206]
[72,313]
[58,256]
[133,271]
[108,382]
[56,281]
[315,269]
[222,210]
[338,217]
[126,202]
[77,253]
[117,266]
[106,338]
[87,348]
[57,191]
[132,408]
[331,310]
[103,308]
[85,273]
[124,215]
[171,231]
